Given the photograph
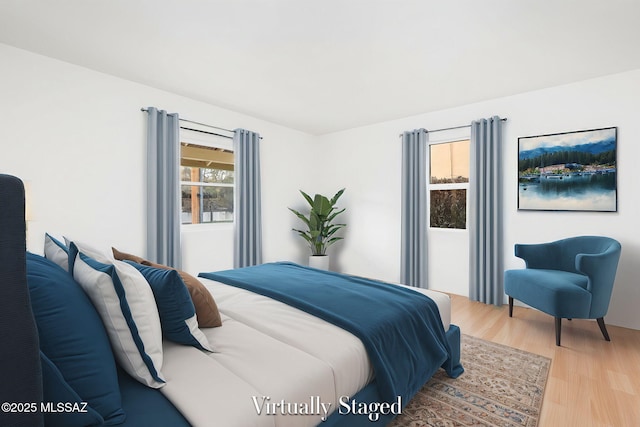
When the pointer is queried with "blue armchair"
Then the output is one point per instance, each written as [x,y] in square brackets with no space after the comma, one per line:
[570,278]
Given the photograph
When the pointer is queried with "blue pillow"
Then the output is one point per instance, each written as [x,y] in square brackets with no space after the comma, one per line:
[56,391]
[73,338]
[176,309]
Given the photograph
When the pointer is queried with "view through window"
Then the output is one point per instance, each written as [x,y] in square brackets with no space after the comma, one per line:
[207,183]
[449,184]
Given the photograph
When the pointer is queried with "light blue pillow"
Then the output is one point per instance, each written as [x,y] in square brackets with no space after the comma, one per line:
[56,391]
[176,309]
[125,302]
[72,336]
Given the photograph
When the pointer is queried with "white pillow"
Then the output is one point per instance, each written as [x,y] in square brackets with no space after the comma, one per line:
[125,302]
[89,250]
[56,251]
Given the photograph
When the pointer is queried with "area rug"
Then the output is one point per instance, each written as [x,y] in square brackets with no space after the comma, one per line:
[500,386]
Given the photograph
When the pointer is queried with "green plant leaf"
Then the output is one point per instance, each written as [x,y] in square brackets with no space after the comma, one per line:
[332,231]
[321,205]
[307,198]
[335,198]
[315,222]
[299,215]
[304,234]
[332,240]
[335,214]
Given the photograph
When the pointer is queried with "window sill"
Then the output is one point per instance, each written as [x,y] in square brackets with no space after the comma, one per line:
[449,230]
[194,228]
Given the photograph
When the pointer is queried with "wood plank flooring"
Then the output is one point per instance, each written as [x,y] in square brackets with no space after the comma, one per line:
[592,382]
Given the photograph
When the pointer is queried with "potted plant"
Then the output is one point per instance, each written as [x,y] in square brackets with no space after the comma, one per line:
[321,230]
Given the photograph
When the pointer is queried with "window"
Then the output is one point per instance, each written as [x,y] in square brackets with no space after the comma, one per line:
[449,184]
[207,182]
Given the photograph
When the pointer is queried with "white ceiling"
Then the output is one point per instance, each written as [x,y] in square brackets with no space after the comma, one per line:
[327,65]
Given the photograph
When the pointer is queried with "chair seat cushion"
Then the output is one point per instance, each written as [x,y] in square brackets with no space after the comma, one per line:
[555,292]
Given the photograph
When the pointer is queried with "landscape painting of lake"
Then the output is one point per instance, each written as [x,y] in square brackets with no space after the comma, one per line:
[572,171]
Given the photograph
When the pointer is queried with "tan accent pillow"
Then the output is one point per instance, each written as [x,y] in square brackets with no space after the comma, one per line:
[206,308]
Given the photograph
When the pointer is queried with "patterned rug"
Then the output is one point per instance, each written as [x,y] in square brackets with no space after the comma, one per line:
[501,386]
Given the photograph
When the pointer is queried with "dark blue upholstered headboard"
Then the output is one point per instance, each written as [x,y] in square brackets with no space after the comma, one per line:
[20,369]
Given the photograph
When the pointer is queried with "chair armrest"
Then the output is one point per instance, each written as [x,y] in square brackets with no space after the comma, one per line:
[600,268]
[538,255]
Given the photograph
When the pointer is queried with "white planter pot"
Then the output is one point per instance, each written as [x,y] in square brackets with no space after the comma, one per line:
[319,261]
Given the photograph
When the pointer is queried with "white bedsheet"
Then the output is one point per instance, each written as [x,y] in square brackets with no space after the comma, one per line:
[267,351]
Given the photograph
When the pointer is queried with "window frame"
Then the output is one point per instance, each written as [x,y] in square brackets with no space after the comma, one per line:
[196,137]
[449,185]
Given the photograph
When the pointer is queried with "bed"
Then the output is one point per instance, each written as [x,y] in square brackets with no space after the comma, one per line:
[272,363]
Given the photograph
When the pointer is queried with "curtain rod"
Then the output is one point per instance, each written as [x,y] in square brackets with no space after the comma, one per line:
[455,127]
[197,123]
[204,131]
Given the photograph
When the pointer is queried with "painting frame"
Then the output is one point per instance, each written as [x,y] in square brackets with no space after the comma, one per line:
[572,171]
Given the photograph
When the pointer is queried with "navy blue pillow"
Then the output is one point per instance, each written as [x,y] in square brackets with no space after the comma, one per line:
[175,307]
[73,338]
[56,391]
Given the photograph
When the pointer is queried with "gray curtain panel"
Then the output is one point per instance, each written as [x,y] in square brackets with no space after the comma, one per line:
[485,212]
[248,204]
[415,158]
[163,188]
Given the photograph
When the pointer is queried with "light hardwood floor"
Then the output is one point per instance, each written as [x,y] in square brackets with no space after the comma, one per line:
[592,382]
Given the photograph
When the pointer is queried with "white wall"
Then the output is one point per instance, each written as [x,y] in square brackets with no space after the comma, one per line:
[367,162]
[78,138]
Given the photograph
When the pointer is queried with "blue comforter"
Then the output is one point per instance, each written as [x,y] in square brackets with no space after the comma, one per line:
[400,329]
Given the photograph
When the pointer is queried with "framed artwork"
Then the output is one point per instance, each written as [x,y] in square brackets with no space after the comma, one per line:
[571,171]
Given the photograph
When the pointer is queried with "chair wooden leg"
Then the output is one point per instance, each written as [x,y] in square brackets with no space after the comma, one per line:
[603,328]
[558,330]
[510,306]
